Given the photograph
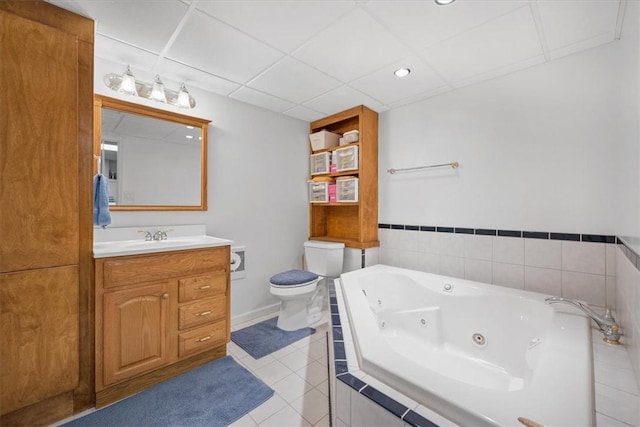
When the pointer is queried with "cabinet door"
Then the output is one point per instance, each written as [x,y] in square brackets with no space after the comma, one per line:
[135,331]
[39,145]
[38,335]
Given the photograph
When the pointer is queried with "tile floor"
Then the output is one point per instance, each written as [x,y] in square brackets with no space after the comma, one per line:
[297,374]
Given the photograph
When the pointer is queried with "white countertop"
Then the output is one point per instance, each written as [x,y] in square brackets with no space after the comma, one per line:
[123,241]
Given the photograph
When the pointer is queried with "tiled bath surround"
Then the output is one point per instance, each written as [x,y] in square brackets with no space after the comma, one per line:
[567,265]
[359,399]
[628,300]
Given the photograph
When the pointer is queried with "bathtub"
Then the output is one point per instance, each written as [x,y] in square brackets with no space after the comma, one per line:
[477,354]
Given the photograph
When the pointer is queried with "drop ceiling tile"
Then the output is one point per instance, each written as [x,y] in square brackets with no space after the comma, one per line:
[140,23]
[293,81]
[303,113]
[501,71]
[424,23]
[194,77]
[341,99]
[420,96]
[386,87]
[510,39]
[284,25]
[569,22]
[582,45]
[260,99]
[216,48]
[353,46]
[123,53]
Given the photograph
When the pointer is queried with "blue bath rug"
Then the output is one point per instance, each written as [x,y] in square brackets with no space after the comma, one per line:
[215,394]
[265,337]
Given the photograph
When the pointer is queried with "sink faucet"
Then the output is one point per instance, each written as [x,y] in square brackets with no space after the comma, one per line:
[148,237]
[160,235]
[606,322]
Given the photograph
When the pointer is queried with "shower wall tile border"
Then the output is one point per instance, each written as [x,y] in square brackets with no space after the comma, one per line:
[542,235]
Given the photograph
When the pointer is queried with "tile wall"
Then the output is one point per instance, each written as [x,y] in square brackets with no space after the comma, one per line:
[560,264]
[628,301]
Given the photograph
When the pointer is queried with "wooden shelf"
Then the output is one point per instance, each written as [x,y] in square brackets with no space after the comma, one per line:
[353,223]
[337,147]
[354,244]
[336,204]
[336,174]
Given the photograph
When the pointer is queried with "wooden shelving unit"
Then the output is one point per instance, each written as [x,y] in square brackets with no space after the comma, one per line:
[354,224]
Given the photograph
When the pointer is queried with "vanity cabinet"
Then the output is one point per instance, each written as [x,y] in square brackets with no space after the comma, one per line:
[353,218]
[158,315]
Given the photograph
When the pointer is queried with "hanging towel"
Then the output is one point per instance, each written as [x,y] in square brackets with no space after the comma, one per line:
[101,215]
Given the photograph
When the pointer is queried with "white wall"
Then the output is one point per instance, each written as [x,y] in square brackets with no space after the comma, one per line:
[550,148]
[257,172]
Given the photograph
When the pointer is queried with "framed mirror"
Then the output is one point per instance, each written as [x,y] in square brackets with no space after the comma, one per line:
[155,160]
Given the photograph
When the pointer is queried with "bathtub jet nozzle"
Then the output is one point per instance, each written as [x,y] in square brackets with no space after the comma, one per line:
[607,324]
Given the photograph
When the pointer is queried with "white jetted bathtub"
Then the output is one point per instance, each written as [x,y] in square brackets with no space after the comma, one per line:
[477,354]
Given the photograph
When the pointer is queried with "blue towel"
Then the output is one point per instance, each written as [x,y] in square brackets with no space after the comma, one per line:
[101,215]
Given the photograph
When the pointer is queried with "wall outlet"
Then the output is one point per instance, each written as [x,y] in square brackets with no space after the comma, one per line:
[237,262]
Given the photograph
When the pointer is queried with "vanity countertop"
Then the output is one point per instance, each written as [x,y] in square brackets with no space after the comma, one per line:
[131,240]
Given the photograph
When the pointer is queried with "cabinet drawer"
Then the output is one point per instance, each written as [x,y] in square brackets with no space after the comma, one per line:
[203,286]
[201,312]
[203,338]
[121,271]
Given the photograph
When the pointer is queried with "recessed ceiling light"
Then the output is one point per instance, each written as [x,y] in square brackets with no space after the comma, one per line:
[444,2]
[402,72]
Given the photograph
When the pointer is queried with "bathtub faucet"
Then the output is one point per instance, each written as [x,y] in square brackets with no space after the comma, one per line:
[606,322]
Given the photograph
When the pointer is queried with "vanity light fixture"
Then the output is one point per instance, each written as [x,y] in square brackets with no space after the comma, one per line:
[443,2]
[402,72]
[157,90]
[127,83]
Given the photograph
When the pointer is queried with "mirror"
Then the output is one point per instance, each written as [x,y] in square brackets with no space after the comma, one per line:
[153,159]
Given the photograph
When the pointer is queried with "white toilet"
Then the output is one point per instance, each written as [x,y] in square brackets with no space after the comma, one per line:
[302,293]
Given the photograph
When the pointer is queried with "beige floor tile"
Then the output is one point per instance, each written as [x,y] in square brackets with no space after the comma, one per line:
[286,417]
[268,408]
[291,387]
[273,372]
[313,406]
[314,373]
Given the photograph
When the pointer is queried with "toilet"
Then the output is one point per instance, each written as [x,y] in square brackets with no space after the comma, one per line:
[302,293]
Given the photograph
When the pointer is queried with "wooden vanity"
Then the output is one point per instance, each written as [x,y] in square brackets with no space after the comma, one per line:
[158,315]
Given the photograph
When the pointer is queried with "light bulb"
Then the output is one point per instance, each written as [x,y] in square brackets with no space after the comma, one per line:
[157,90]
[128,84]
[183,97]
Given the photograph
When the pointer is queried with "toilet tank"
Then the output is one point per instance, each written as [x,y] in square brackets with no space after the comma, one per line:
[324,258]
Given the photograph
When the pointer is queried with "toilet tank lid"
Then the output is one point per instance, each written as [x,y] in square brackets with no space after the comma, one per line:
[323,245]
[293,277]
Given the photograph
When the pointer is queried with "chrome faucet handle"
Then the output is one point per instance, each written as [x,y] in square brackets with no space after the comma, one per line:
[147,235]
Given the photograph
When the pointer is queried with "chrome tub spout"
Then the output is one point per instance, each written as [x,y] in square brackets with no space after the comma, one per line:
[607,324]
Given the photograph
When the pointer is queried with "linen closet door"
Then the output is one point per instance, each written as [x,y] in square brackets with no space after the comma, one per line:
[39,212]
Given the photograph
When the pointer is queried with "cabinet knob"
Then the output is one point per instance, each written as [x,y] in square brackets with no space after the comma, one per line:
[208,337]
[165,295]
[204,313]
[202,288]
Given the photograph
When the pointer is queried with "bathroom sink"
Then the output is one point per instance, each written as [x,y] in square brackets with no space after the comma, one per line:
[134,247]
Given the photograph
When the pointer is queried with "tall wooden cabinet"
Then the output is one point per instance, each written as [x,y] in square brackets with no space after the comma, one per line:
[353,223]
[46,94]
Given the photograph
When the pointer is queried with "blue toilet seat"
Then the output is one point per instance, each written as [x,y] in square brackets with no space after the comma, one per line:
[293,278]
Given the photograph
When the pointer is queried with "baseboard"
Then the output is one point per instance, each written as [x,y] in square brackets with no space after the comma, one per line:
[254,314]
